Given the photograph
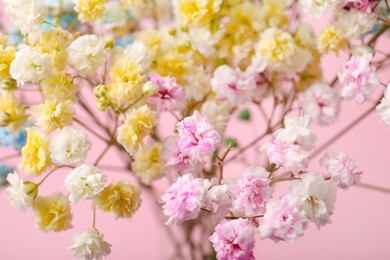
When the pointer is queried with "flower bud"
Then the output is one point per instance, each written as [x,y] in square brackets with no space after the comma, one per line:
[31,189]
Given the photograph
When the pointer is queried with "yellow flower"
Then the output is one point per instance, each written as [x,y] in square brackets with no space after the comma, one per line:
[121,198]
[274,13]
[59,86]
[52,213]
[151,39]
[174,63]
[147,164]
[12,113]
[7,55]
[198,12]
[53,114]
[35,154]
[276,47]
[139,123]
[89,10]
[331,39]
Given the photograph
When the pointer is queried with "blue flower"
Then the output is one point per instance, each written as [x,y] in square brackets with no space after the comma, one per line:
[124,41]
[4,171]
[16,139]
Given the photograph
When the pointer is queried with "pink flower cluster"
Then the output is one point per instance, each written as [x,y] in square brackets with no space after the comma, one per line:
[341,169]
[366,6]
[234,240]
[358,78]
[170,95]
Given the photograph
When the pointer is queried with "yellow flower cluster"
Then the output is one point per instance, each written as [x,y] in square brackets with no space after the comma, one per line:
[199,12]
[35,154]
[12,113]
[53,114]
[53,212]
[120,198]
[139,123]
[331,39]
[59,86]
[89,10]
[7,54]
[147,164]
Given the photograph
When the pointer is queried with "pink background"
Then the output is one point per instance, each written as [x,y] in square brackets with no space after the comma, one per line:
[360,228]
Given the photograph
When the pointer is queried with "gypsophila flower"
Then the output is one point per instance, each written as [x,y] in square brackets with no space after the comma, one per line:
[283,221]
[52,213]
[341,169]
[184,199]
[90,245]
[139,53]
[322,103]
[234,239]
[217,113]
[89,10]
[148,164]
[69,146]
[315,196]
[84,182]
[384,106]
[170,96]
[317,8]
[358,78]
[30,66]
[253,192]
[20,193]
[198,137]
[87,53]
[218,200]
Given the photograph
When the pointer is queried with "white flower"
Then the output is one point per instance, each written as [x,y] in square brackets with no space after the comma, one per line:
[27,15]
[219,201]
[217,113]
[297,130]
[322,103]
[90,245]
[138,52]
[30,66]
[353,23]
[384,106]
[315,196]
[84,182]
[69,146]
[87,53]
[114,16]
[20,193]
[318,7]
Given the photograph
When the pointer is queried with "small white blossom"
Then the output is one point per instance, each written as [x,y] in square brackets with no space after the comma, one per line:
[84,182]
[69,146]
[87,53]
[90,245]
[20,194]
[384,106]
[138,52]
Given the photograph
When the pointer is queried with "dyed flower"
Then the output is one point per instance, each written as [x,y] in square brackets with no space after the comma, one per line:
[292,157]
[218,113]
[341,169]
[331,38]
[89,10]
[322,103]
[283,221]
[148,164]
[35,154]
[234,239]
[140,53]
[53,114]
[84,182]
[12,112]
[358,78]
[20,193]
[297,130]
[30,66]
[198,11]
[315,196]
[170,96]
[121,198]
[354,23]
[198,137]
[59,86]
[176,160]
[184,199]
[253,192]
[52,213]
[138,124]
[232,85]
[90,245]
[28,16]
[366,6]
[87,53]
[317,8]
[16,139]
[7,55]
[69,146]
[384,106]
[218,201]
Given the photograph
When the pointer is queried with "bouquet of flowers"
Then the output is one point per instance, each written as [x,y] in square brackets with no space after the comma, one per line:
[162,83]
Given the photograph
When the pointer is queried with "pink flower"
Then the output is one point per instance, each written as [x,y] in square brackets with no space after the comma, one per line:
[218,201]
[234,240]
[254,192]
[184,199]
[232,85]
[292,157]
[341,169]
[176,160]
[170,96]
[366,6]
[358,78]
[198,138]
[322,103]
[283,221]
